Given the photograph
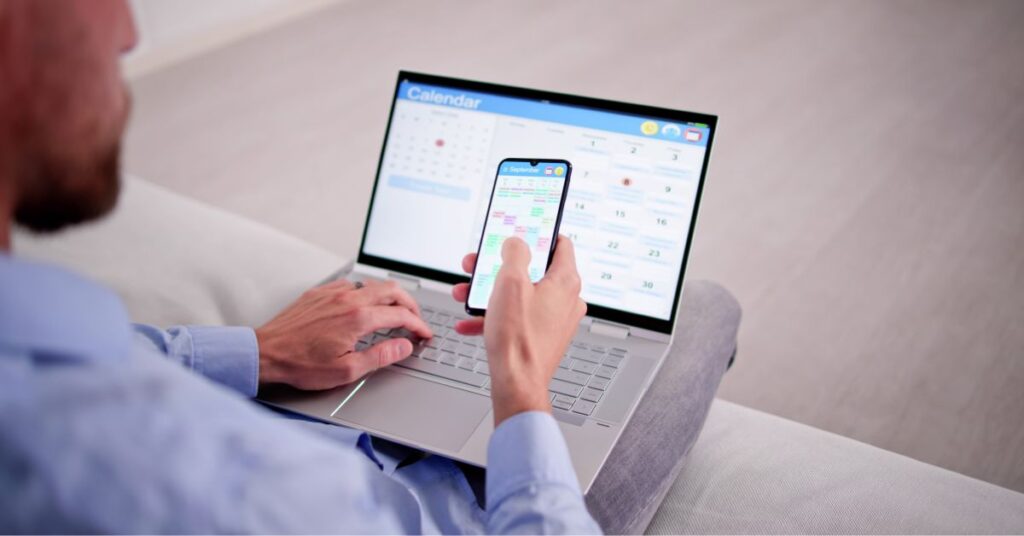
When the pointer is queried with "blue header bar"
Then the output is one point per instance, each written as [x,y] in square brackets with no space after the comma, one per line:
[524,169]
[557,113]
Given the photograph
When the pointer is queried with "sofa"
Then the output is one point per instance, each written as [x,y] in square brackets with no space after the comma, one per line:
[176,260]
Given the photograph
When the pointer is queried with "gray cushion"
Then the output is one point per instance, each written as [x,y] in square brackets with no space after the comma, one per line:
[652,448]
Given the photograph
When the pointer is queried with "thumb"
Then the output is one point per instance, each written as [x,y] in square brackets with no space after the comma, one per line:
[515,254]
[379,355]
[563,260]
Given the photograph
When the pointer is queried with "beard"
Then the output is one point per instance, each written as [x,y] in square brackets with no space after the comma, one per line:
[61,191]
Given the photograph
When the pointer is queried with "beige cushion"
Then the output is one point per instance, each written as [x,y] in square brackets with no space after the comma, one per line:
[175,260]
[751,472]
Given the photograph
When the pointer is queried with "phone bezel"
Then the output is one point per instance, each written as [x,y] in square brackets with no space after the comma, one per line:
[558,219]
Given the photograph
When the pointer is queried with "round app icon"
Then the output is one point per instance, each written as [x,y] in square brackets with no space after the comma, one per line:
[649,128]
[559,171]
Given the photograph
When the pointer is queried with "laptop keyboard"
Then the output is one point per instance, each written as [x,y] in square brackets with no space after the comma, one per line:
[583,376]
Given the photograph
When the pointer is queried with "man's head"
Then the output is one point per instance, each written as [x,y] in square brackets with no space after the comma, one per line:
[63,108]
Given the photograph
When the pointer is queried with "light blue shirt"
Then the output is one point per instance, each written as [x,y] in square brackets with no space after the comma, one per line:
[106,428]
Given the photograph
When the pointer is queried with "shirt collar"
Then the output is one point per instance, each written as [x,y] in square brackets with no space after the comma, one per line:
[52,313]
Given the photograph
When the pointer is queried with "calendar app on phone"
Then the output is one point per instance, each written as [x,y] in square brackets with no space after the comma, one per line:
[524,204]
[629,206]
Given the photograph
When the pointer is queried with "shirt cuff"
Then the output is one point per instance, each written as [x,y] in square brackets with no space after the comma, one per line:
[525,450]
[229,356]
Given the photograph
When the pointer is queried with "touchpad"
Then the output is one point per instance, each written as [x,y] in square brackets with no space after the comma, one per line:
[418,411]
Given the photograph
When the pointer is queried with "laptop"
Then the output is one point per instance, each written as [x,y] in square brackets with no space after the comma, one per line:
[638,172]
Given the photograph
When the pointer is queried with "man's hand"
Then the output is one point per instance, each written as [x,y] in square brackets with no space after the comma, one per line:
[311,344]
[527,327]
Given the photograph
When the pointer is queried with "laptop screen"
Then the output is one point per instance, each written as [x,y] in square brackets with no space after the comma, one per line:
[637,177]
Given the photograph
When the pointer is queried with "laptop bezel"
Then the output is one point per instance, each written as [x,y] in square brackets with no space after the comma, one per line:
[647,112]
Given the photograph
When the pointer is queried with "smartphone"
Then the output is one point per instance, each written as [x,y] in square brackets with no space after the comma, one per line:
[526,202]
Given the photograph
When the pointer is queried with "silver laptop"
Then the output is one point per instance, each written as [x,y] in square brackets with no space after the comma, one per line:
[631,209]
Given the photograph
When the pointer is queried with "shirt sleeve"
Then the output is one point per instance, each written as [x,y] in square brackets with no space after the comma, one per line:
[531,485]
[227,355]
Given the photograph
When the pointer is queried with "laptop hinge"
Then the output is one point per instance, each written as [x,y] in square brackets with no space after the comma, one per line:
[407,282]
[609,330]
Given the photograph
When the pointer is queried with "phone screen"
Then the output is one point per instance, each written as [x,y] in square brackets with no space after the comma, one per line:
[527,203]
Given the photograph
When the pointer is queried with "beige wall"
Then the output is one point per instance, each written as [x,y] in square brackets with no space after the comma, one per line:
[174,30]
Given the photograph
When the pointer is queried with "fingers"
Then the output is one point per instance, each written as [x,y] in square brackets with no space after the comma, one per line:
[461,292]
[382,354]
[563,260]
[384,316]
[469,263]
[470,327]
[581,308]
[386,293]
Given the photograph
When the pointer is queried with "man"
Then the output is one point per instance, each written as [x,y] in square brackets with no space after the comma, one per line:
[103,430]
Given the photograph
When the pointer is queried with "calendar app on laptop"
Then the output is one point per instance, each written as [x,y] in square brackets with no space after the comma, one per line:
[629,206]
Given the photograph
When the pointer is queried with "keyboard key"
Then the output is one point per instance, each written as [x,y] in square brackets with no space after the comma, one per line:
[565,388]
[483,368]
[449,359]
[431,354]
[553,395]
[617,351]
[586,367]
[434,343]
[591,395]
[598,349]
[572,376]
[586,356]
[583,407]
[565,363]
[605,372]
[466,363]
[451,373]
[578,344]
[578,353]
[613,360]
[467,350]
[450,346]
[601,384]
[562,402]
